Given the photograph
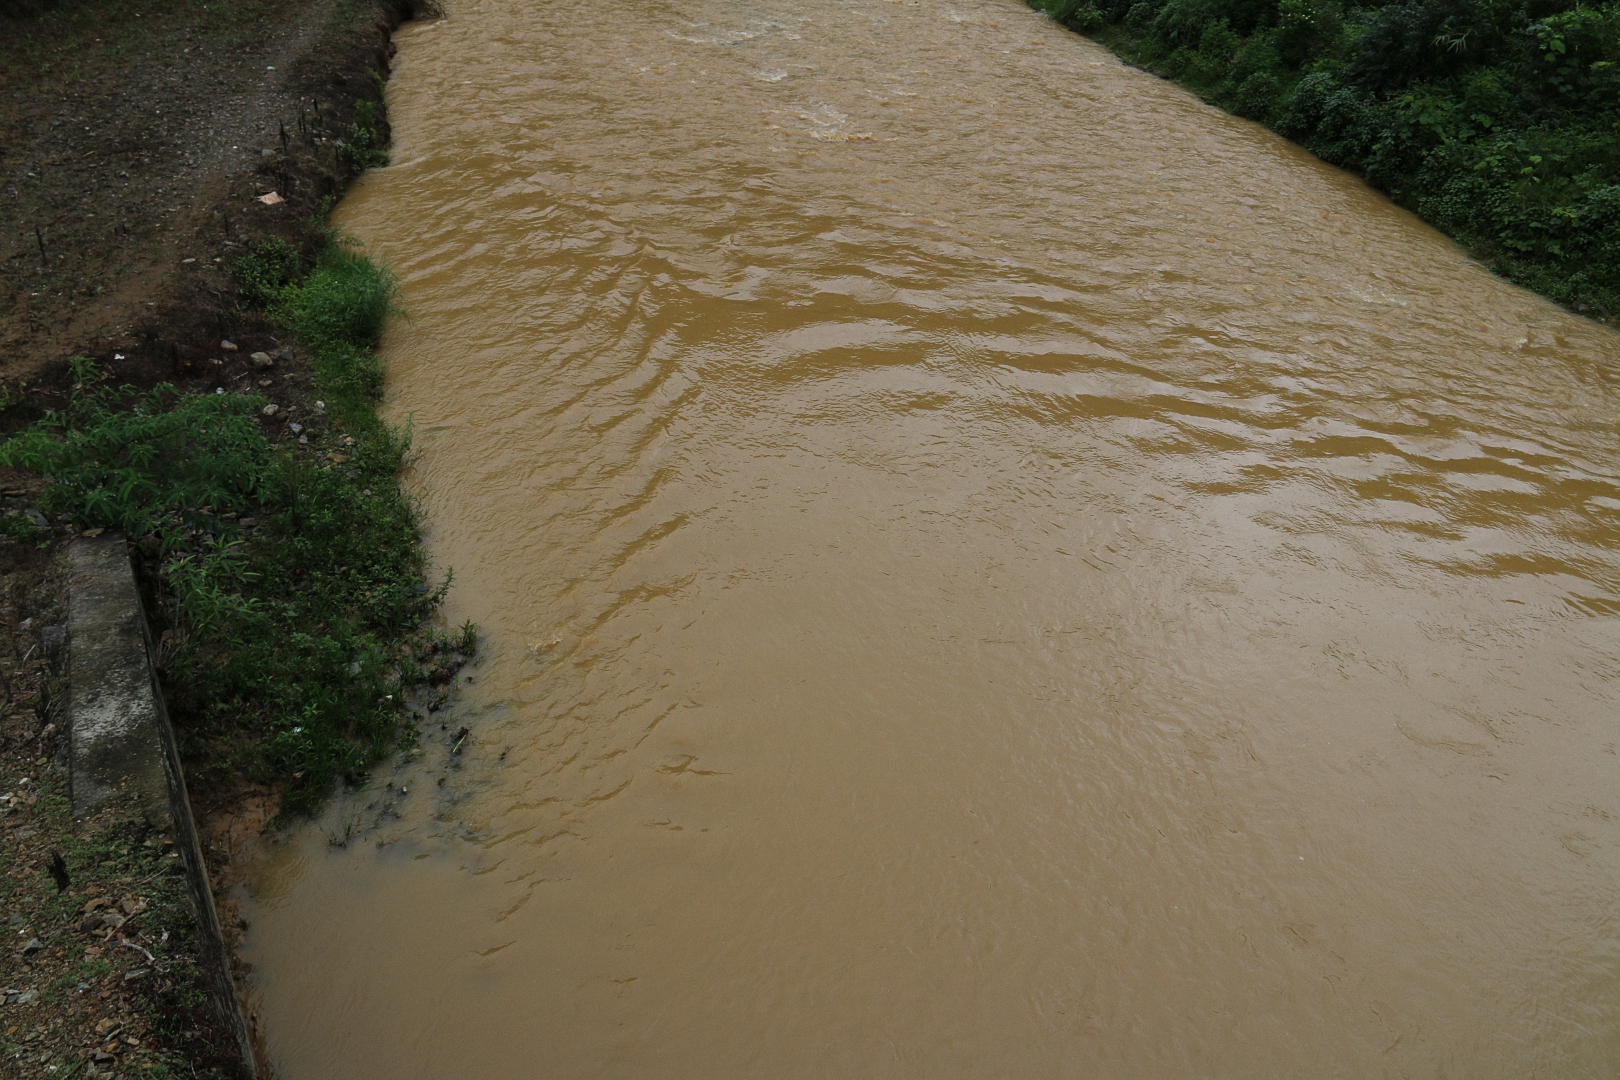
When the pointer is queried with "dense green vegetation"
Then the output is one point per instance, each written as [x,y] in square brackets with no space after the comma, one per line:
[1496,120]
[294,575]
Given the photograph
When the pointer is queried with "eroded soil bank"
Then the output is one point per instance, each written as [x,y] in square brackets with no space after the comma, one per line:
[136,143]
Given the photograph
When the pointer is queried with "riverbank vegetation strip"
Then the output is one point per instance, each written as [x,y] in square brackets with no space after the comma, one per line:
[291,574]
[1498,121]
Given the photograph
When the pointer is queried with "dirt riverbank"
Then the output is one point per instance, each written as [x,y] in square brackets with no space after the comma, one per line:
[138,144]
[143,146]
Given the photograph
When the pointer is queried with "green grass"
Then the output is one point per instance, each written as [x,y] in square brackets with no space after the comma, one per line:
[1495,120]
[293,645]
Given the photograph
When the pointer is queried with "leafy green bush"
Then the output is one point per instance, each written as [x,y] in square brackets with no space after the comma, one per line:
[1498,123]
[266,270]
[21,527]
[343,304]
[365,147]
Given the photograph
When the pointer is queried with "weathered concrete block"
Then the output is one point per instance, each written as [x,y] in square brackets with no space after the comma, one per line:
[114,714]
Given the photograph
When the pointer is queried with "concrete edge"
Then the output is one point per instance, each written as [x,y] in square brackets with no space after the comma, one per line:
[122,744]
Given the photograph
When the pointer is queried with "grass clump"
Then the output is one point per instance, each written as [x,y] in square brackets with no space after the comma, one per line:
[341,307]
[295,581]
[147,464]
[1495,120]
[266,271]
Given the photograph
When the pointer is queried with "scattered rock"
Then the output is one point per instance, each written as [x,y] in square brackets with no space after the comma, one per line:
[262,360]
[271,199]
[228,346]
[271,409]
[108,1026]
[33,946]
[101,920]
[295,428]
[26,997]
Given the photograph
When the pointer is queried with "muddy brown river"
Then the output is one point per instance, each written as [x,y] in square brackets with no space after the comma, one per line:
[989,568]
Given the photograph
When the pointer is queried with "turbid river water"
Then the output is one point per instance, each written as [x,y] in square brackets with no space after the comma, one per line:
[989,567]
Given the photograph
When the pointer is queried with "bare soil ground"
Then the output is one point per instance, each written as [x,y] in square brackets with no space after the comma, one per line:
[137,140]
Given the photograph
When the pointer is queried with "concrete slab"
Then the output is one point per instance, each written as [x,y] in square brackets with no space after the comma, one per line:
[116,745]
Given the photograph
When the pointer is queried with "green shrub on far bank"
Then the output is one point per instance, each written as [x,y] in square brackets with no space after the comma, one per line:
[294,576]
[1496,121]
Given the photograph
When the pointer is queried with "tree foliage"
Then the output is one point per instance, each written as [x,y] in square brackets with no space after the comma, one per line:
[1496,120]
